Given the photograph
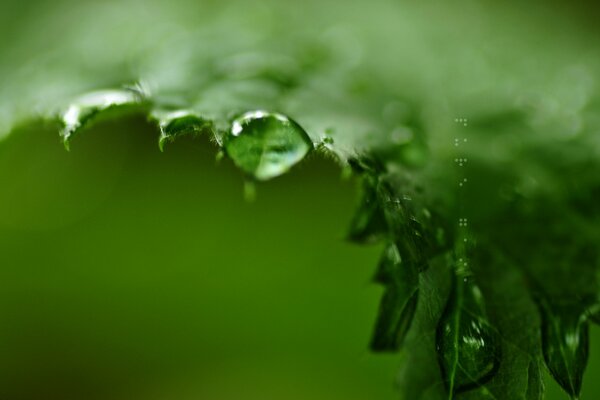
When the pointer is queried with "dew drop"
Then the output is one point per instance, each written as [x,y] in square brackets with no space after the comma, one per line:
[399,302]
[565,343]
[88,108]
[178,123]
[468,347]
[266,145]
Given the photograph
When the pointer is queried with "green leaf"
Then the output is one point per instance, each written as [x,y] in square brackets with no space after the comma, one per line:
[399,302]
[469,352]
[565,343]
[368,224]
[399,117]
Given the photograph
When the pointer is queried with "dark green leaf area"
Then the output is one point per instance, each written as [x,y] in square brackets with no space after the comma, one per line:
[468,347]
[399,302]
[565,343]
[368,224]
[404,223]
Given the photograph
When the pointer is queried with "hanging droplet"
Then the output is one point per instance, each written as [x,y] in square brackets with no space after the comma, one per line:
[178,123]
[88,108]
[266,145]
[468,348]
[368,224]
[397,309]
[565,342]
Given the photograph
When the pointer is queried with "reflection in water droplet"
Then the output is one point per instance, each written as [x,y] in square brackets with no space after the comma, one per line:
[399,301]
[565,342]
[87,108]
[266,145]
[468,347]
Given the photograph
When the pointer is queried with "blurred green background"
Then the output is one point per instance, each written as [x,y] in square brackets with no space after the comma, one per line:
[133,274]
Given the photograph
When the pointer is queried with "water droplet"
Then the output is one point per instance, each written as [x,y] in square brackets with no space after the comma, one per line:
[178,123]
[565,342]
[266,145]
[399,302]
[468,349]
[88,108]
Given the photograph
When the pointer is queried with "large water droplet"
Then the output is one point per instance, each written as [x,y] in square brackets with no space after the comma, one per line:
[468,347]
[399,301]
[88,108]
[266,145]
[565,342]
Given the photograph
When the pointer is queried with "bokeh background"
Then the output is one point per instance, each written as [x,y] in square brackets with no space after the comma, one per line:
[133,274]
[126,273]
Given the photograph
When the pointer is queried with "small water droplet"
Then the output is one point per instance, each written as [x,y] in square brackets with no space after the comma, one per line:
[178,123]
[399,302]
[86,109]
[565,342]
[469,351]
[266,145]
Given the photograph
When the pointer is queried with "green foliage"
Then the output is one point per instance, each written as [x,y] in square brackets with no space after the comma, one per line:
[398,118]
